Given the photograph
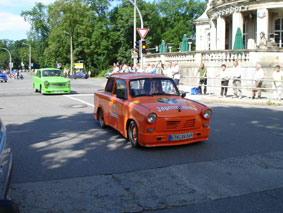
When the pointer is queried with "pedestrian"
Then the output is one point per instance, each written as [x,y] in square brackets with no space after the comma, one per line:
[258,78]
[162,69]
[138,68]
[176,74]
[89,73]
[153,68]
[148,69]
[169,71]
[277,76]
[236,73]
[202,78]
[224,77]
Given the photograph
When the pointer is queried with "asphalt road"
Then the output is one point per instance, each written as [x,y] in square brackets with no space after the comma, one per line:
[55,138]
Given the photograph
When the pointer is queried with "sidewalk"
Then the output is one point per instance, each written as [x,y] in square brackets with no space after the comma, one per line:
[214,97]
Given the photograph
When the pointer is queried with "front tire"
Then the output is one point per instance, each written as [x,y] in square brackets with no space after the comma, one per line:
[34,89]
[133,134]
[101,118]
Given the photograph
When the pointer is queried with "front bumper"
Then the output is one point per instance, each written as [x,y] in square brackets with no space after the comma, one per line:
[56,90]
[162,139]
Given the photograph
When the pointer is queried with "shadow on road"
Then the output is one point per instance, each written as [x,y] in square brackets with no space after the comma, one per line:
[71,146]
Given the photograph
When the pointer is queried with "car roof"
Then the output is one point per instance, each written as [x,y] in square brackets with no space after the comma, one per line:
[129,76]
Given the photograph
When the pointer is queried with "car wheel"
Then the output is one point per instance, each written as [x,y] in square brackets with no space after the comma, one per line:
[133,134]
[101,118]
[34,89]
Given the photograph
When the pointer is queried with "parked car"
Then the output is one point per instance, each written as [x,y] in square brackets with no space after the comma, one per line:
[51,81]
[3,77]
[6,162]
[80,75]
[149,110]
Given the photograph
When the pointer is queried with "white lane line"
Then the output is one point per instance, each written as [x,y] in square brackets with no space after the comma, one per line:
[78,95]
[76,99]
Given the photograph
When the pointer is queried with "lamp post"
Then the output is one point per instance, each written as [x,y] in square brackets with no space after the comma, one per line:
[71,52]
[10,64]
[141,19]
[190,44]
[29,57]
[22,64]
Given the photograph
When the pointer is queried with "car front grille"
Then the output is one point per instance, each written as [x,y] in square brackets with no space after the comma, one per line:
[179,125]
[189,123]
[172,124]
[57,85]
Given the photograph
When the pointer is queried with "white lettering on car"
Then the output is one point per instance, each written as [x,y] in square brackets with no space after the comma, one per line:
[168,108]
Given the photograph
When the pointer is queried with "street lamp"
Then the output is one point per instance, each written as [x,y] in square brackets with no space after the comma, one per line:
[10,64]
[29,57]
[141,19]
[170,45]
[23,60]
[190,41]
[71,51]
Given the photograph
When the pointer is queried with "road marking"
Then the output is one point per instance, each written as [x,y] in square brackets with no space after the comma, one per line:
[76,99]
[79,95]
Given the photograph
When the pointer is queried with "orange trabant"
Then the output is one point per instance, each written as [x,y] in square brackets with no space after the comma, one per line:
[149,110]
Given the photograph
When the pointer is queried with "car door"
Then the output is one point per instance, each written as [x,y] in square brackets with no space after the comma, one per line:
[36,80]
[119,107]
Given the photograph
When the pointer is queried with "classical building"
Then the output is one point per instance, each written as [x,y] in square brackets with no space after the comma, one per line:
[260,21]
[261,24]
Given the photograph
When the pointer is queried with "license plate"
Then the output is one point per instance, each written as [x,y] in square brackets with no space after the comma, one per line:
[57,91]
[179,137]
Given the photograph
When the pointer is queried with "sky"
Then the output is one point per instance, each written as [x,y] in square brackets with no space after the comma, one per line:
[12,25]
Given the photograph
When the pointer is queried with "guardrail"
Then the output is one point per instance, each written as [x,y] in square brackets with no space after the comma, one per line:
[247,84]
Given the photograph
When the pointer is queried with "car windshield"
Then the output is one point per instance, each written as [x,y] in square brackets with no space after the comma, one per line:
[46,73]
[153,86]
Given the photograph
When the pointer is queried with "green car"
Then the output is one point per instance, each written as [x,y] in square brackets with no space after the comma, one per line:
[51,81]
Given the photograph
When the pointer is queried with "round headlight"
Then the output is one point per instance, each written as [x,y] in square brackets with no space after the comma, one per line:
[151,118]
[207,114]
[45,82]
[68,82]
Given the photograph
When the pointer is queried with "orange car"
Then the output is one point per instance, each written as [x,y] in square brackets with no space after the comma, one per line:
[149,110]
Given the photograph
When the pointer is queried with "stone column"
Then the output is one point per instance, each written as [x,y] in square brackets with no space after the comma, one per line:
[213,35]
[237,21]
[262,23]
[221,30]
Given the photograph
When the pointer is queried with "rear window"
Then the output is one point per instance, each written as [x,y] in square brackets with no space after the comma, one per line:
[109,85]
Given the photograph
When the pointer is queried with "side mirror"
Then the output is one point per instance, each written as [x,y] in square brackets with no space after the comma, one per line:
[183,95]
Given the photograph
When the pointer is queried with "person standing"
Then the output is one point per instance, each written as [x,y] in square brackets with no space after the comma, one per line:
[258,78]
[224,77]
[236,76]
[176,74]
[277,76]
[169,71]
[202,78]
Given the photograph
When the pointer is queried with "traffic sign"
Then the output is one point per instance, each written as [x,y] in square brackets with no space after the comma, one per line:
[142,32]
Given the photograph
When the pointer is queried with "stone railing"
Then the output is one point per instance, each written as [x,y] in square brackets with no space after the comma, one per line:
[189,62]
[264,57]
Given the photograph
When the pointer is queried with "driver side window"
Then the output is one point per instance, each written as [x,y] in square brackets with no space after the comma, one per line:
[120,89]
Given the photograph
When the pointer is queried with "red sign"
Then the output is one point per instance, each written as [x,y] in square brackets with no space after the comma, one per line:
[142,32]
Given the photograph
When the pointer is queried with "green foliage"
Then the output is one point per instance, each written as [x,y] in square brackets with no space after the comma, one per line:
[100,35]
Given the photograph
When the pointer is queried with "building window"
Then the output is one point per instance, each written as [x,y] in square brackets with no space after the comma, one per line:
[279,32]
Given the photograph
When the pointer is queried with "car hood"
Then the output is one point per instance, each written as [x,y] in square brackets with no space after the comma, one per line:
[55,79]
[169,106]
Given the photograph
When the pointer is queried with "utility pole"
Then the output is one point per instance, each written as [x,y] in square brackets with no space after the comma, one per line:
[10,64]
[71,52]
[135,29]
[29,57]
